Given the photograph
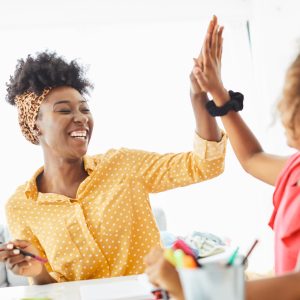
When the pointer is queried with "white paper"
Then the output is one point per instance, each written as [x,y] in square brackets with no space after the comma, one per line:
[131,290]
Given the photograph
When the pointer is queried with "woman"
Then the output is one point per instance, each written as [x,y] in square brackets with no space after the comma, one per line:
[282,172]
[90,216]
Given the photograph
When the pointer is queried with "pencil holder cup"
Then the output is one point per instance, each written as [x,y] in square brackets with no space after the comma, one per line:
[214,281]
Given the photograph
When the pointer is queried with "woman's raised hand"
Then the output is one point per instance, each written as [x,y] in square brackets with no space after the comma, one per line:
[198,63]
[207,71]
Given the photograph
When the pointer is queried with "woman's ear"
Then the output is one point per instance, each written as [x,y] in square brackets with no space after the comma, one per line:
[37,131]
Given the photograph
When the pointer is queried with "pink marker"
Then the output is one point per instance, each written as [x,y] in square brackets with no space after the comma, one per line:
[180,244]
[36,257]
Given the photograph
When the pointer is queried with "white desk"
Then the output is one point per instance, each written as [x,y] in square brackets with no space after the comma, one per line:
[74,290]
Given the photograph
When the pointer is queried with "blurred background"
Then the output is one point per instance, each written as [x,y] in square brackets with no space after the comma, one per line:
[139,56]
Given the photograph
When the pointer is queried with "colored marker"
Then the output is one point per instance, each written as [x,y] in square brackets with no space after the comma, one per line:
[178,256]
[180,244]
[189,262]
[249,252]
[36,257]
[232,257]
[169,256]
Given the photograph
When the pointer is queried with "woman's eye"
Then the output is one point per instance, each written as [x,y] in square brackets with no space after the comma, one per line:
[64,111]
[86,110]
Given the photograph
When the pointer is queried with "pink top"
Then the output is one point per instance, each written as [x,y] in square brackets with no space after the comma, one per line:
[285,220]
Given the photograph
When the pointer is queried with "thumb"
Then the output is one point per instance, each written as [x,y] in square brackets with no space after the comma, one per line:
[195,61]
[201,80]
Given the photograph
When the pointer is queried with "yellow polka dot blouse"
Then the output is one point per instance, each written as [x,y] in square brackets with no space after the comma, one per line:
[109,228]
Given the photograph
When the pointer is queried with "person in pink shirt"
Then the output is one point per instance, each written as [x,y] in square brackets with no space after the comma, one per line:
[281,172]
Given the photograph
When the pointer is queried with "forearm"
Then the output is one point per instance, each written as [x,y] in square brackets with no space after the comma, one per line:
[243,141]
[279,288]
[206,125]
[43,278]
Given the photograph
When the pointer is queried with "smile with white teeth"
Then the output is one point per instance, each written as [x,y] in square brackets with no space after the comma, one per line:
[79,134]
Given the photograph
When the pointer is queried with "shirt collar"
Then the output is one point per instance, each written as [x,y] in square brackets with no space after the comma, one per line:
[31,190]
[89,164]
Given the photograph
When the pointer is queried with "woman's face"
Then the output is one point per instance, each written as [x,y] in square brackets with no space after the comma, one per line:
[65,123]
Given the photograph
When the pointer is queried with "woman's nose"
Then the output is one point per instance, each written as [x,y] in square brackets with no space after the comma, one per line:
[79,117]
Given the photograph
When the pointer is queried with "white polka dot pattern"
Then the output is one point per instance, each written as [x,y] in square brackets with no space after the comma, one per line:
[109,228]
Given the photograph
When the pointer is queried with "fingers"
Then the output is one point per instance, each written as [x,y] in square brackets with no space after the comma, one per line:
[153,256]
[6,251]
[199,76]
[220,43]
[20,260]
[21,267]
[19,243]
[211,27]
[9,249]
[206,50]
[214,40]
[4,254]
[198,62]
[193,78]
[209,32]
[151,272]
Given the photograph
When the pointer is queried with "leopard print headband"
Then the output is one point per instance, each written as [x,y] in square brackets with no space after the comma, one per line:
[28,105]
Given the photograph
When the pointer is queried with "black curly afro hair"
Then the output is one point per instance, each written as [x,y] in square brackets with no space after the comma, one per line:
[45,70]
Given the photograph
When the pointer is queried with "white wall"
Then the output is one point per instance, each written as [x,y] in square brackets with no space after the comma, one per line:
[140,55]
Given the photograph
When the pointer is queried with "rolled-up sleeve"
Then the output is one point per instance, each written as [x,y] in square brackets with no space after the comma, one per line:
[160,172]
[210,150]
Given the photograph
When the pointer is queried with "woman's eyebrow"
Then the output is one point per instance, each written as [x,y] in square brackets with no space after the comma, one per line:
[60,102]
[67,101]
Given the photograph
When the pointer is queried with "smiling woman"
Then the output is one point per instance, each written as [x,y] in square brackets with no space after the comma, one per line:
[65,128]
[90,216]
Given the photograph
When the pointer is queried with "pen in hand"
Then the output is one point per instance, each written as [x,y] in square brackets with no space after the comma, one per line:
[36,257]
[26,253]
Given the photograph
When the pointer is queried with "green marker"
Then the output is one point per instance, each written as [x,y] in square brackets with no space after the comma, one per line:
[232,257]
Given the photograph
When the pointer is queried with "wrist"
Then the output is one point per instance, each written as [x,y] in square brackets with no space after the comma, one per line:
[179,297]
[43,277]
[197,94]
[221,97]
[199,100]
[234,102]
[177,293]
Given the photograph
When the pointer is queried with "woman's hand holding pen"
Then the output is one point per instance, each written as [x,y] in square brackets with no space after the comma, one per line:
[208,70]
[163,274]
[18,263]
